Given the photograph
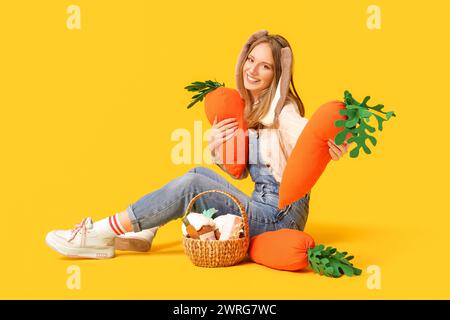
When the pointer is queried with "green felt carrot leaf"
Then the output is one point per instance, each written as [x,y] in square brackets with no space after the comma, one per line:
[210,212]
[357,123]
[330,262]
[203,88]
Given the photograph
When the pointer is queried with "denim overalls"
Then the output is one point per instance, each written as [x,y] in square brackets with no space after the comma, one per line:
[170,202]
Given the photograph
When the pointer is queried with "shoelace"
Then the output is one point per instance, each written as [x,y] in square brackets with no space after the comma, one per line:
[79,227]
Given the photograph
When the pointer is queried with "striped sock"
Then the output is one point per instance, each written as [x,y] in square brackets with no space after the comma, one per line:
[110,227]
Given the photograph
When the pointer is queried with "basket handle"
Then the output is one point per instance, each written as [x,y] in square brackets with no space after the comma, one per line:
[235,200]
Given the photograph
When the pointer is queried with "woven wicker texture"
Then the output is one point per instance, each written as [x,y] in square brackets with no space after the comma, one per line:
[217,253]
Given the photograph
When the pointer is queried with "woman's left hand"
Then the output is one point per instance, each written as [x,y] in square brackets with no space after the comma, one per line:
[337,151]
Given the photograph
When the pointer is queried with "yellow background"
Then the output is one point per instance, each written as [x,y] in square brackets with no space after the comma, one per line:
[87,115]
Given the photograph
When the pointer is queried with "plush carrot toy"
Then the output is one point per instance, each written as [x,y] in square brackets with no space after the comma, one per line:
[292,250]
[334,120]
[225,103]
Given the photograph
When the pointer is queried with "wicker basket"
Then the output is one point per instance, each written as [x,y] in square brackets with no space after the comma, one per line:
[217,253]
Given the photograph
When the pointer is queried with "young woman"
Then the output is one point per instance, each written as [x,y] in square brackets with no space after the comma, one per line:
[275,117]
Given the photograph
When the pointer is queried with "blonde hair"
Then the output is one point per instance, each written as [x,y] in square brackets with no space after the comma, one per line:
[254,113]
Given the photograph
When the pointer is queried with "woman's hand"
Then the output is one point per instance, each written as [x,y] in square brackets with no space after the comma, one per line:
[221,132]
[337,151]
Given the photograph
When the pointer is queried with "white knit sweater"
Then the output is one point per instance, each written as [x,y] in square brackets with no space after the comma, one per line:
[291,126]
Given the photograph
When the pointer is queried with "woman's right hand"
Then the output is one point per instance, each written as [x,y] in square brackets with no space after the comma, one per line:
[221,132]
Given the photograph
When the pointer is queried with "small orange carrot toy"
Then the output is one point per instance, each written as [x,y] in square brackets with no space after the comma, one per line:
[292,250]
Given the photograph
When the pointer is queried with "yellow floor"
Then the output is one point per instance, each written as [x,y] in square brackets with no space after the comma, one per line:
[411,261]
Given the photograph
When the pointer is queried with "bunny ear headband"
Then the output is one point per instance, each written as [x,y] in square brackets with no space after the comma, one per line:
[283,84]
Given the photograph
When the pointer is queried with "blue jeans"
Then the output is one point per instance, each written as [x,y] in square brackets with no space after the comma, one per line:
[170,202]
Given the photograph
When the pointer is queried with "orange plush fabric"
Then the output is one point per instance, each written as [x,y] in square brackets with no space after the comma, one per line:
[284,249]
[227,103]
[310,155]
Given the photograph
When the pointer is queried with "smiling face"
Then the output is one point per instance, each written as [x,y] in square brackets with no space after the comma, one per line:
[259,69]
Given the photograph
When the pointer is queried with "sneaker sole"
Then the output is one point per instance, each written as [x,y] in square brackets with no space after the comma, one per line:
[132,244]
[92,253]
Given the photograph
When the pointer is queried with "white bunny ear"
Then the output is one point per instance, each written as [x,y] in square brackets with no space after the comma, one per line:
[268,119]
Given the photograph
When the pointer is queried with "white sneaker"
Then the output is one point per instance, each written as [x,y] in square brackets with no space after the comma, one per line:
[136,241]
[81,242]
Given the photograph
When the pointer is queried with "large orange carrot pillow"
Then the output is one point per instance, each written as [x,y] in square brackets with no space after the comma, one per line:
[225,103]
[292,250]
[284,249]
[310,155]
